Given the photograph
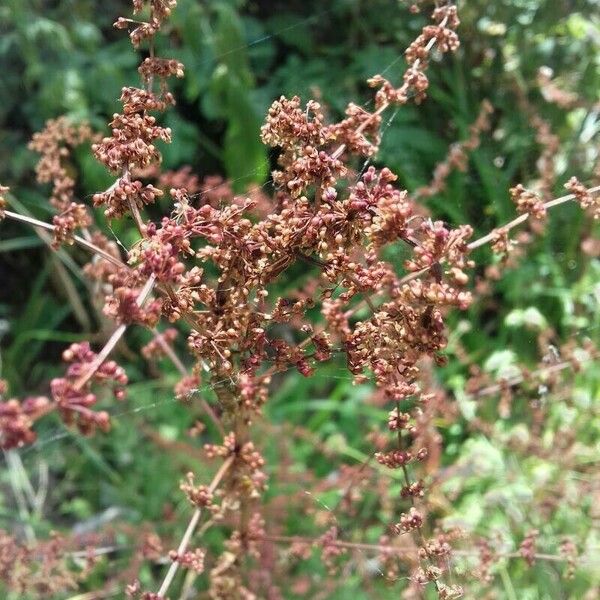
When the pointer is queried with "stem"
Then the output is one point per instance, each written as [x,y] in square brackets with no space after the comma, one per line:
[183,371]
[166,348]
[78,240]
[524,217]
[241,438]
[187,536]
[114,338]
[421,535]
[137,217]
[340,149]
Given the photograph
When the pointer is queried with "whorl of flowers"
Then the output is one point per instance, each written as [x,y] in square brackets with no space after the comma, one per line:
[17,419]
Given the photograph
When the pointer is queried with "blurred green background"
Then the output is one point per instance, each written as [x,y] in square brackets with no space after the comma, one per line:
[64,58]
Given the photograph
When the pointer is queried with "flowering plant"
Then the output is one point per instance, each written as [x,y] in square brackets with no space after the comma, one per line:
[210,268]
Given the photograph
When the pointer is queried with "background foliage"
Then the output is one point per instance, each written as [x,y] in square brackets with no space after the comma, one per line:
[65,58]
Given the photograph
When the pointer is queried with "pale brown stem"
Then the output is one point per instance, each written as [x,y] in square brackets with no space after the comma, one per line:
[524,217]
[114,338]
[184,372]
[241,439]
[78,240]
[187,536]
[137,217]
[166,348]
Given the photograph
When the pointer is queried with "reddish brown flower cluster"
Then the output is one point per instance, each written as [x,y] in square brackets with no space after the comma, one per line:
[123,194]
[134,132]
[359,132]
[191,559]
[159,11]
[17,419]
[198,495]
[124,298]
[227,448]
[501,242]
[414,490]
[73,395]
[408,521]
[527,549]
[132,143]
[442,35]
[437,547]
[54,144]
[586,200]
[300,133]
[123,306]
[249,464]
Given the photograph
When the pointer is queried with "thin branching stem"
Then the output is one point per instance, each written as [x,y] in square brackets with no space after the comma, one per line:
[114,338]
[189,532]
[524,217]
[77,239]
